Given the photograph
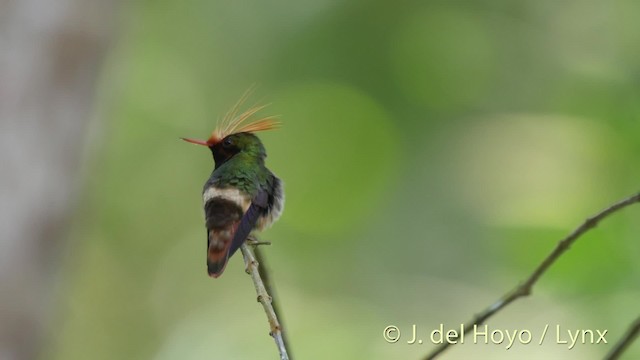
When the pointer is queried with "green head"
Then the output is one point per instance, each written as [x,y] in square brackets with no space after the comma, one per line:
[233,138]
[234,144]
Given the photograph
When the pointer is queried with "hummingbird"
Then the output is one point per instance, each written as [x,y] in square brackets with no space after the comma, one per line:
[242,194]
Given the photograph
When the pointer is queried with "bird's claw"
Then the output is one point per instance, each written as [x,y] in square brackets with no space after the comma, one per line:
[252,240]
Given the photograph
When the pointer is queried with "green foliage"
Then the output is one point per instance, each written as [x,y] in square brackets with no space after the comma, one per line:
[432,155]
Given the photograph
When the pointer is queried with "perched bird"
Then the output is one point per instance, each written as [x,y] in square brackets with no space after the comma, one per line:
[241,194]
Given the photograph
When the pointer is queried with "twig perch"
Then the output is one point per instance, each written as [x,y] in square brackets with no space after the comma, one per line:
[628,338]
[525,288]
[269,285]
[265,299]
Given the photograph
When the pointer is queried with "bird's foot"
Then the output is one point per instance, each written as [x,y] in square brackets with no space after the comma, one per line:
[252,240]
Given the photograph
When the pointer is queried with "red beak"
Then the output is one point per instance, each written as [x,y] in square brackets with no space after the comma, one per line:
[197,142]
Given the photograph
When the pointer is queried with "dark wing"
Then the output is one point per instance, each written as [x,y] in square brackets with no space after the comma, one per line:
[258,206]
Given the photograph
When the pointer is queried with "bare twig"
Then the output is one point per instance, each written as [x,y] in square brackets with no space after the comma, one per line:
[269,285]
[525,287]
[265,299]
[627,339]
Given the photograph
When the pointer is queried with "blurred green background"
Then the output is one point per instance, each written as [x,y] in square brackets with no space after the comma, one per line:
[433,153]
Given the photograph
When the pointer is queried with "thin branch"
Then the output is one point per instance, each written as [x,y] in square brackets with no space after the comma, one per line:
[525,287]
[627,339]
[269,285]
[265,299]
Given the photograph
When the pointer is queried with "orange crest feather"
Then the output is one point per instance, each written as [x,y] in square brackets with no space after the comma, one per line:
[235,123]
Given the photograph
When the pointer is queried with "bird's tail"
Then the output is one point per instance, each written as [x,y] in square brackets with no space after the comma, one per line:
[218,252]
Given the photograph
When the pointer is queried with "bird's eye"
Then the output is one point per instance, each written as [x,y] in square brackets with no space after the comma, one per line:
[227,143]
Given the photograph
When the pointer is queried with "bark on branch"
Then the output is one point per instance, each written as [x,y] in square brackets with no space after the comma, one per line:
[627,339]
[525,287]
[265,299]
